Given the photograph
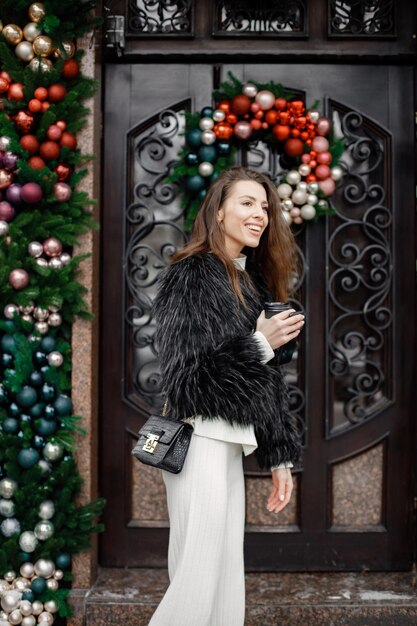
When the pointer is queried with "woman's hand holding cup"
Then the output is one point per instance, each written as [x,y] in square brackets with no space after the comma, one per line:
[280,328]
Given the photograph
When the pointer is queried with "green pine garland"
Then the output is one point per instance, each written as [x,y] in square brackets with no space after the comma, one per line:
[24,352]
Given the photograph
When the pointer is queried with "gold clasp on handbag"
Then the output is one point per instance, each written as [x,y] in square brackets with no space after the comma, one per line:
[151,443]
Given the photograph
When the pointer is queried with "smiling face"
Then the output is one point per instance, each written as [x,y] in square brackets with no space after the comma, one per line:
[243,216]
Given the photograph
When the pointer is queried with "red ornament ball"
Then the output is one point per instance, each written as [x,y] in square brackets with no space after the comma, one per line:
[30,143]
[35,105]
[61,124]
[280,104]
[63,172]
[45,106]
[31,193]
[281,132]
[322,172]
[57,92]
[19,278]
[41,93]
[23,121]
[223,131]
[54,133]
[49,151]
[294,147]
[240,104]
[68,140]
[16,92]
[4,85]
[36,163]
[70,69]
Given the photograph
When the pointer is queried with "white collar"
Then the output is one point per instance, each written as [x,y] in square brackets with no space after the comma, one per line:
[240,261]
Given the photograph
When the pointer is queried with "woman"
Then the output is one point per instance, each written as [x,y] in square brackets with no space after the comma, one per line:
[216,349]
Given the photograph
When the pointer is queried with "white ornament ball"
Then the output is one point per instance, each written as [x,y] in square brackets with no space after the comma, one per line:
[51,606]
[29,620]
[54,319]
[52,584]
[55,263]
[25,607]
[4,143]
[28,541]
[45,467]
[293,177]
[302,185]
[312,199]
[65,259]
[205,169]
[15,617]
[59,574]
[31,31]
[265,99]
[10,576]
[44,530]
[336,172]
[287,217]
[4,586]
[7,487]
[250,90]
[313,187]
[304,169]
[44,567]
[206,123]
[42,327]
[37,607]
[3,615]
[4,622]
[219,115]
[284,190]
[47,507]
[21,583]
[10,600]
[56,360]
[208,137]
[10,527]
[45,618]
[4,228]
[7,508]
[308,212]
[35,248]
[42,262]
[27,570]
[52,451]
[287,204]
[299,197]
[10,310]
[314,116]
[24,50]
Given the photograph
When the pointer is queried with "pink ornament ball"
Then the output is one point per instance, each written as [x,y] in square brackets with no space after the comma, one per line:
[320,144]
[31,193]
[7,212]
[62,192]
[255,107]
[243,130]
[52,247]
[265,99]
[324,126]
[14,193]
[305,158]
[19,278]
[327,186]
[324,158]
[322,172]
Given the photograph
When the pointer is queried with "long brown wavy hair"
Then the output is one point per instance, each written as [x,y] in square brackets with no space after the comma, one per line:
[274,258]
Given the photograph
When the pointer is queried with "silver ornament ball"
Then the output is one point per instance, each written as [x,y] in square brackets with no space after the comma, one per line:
[336,172]
[52,584]
[28,541]
[54,319]
[287,204]
[55,263]
[314,116]
[31,31]
[293,177]
[21,583]
[24,50]
[313,187]
[59,574]
[284,190]
[7,487]
[7,508]
[27,570]
[28,318]
[35,248]
[44,530]
[42,327]
[29,620]
[10,600]
[51,606]
[55,359]
[4,228]
[312,199]
[47,507]
[42,262]
[53,451]
[208,137]
[219,115]
[205,169]
[44,567]
[37,607]
[45,467]
[25,607]
[250,90]
[206,123]
[10,527]
[10,576]
[10,310]
[299,197]
[46,618]
[302,185]
[308,212]
[65,258]
[15,617]
[4,586]
[304,169]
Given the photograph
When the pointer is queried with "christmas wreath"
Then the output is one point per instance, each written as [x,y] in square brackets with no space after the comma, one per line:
[42,213]
[251,112]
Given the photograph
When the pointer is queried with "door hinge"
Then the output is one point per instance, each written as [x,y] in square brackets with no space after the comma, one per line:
[114,33]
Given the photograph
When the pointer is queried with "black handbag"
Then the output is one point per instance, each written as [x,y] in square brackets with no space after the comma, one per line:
[163,442]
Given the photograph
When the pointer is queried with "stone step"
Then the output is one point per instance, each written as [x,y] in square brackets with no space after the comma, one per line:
[125,597]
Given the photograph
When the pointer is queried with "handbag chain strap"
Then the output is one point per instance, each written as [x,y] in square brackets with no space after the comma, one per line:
[165,408]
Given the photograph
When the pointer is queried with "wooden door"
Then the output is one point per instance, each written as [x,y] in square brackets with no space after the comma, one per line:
[352,383]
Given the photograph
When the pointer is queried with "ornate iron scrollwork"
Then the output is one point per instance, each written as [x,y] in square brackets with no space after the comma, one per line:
[160,17]
[243,17]
[365,18]
[360,273]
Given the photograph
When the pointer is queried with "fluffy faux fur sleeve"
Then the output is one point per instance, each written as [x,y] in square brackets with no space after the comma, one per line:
[210,362]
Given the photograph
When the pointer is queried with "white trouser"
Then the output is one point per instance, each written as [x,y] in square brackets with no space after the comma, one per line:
[206,505]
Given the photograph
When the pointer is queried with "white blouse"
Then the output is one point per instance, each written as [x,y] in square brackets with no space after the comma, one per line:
[219,428]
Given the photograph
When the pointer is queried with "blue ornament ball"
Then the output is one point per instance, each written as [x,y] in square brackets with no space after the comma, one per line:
[63,405]
[207,153]
[223,148]
[27,396]
[45,427]
[26,557]
[48,391]
[36,379]
[191,158]
[48,344]
[38,585]
[28,595]
[49,411]
[214,176]
[7,343]
[28,457]
[4,396]
[6,359]
[207,112]
[39,357]
[63,560]
[14,410]
[202,194]
[36,410]
[10,425]
[195,183]
[194,137]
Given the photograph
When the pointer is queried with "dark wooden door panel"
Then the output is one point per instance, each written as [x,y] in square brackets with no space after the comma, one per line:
[354,397]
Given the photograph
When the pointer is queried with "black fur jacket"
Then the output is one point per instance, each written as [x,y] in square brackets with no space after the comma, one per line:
[209,360]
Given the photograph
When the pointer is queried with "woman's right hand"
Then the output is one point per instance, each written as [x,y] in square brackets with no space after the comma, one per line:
[280,328]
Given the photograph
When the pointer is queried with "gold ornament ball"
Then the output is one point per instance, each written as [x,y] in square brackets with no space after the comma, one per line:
[31,31]
[66,51]
[42,45]
[37,12]
[12,33]
[44,65]
[24,51]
